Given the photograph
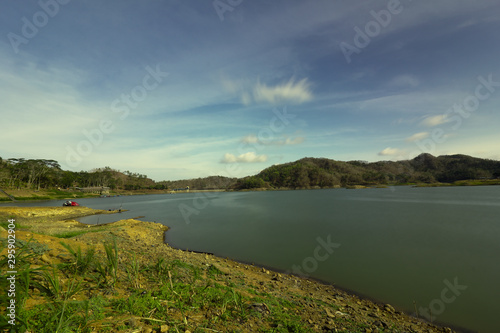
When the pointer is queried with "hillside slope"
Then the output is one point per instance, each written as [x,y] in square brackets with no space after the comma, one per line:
[322,172]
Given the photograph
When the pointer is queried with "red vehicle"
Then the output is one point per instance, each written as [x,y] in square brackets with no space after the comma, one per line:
[70,203]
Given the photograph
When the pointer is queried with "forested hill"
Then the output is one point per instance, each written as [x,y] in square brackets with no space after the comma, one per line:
[19,173]
[322,172]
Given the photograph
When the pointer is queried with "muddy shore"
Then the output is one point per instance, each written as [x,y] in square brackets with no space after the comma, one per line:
[261,301]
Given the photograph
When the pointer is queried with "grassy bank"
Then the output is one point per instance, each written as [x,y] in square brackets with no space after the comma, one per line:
[469,182]
[54,194]
[121,277]
[32,195]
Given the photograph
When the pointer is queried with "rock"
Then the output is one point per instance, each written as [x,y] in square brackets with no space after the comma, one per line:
[164,328]
[329,314]
[260,307]
[341,314]
[389,308]
[382,324]
[45,258]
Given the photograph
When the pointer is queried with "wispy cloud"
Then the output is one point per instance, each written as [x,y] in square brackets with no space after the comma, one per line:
[390,152]
[282,141]
[418,136]
[290,92]
[249,139]
[435,120]
[249,157]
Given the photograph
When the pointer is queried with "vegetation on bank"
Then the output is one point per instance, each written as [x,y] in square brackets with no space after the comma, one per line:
[37,174]
[119,303]
[46,180]
[51,182]
[423,169]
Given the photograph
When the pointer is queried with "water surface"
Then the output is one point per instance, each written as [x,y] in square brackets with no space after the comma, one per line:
[396,245]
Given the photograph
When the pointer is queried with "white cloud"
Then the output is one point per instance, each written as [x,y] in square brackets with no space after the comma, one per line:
[249,157]
[390,152]
[298,140]
[418,136]
[289,92]
[250,139]
[435,120]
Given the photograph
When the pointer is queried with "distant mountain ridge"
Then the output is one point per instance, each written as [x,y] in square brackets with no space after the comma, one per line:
[322,172]
[307,172]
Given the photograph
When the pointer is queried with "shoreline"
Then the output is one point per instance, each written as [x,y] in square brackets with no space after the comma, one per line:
[33,196]
[440,325]
[314,301]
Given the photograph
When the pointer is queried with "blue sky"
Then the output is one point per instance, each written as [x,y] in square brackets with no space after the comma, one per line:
[186,89]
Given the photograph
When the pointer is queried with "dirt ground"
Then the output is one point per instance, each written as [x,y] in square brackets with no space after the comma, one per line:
[146,241]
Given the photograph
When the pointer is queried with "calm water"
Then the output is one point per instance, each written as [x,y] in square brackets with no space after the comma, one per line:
[439,247]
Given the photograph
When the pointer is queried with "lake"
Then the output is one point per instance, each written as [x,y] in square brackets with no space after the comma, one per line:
[434,249]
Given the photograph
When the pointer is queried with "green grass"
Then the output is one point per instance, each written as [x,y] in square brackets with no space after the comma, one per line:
[81,295]
[34,197]
[82,263]
[5,225]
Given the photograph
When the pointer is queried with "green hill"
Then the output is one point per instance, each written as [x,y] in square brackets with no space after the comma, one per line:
[323,173]
[20,173]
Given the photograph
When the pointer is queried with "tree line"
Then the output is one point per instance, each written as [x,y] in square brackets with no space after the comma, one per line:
[323,172]
[21,173]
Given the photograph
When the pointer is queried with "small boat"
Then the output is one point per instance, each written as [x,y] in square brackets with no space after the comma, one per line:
[70,203]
